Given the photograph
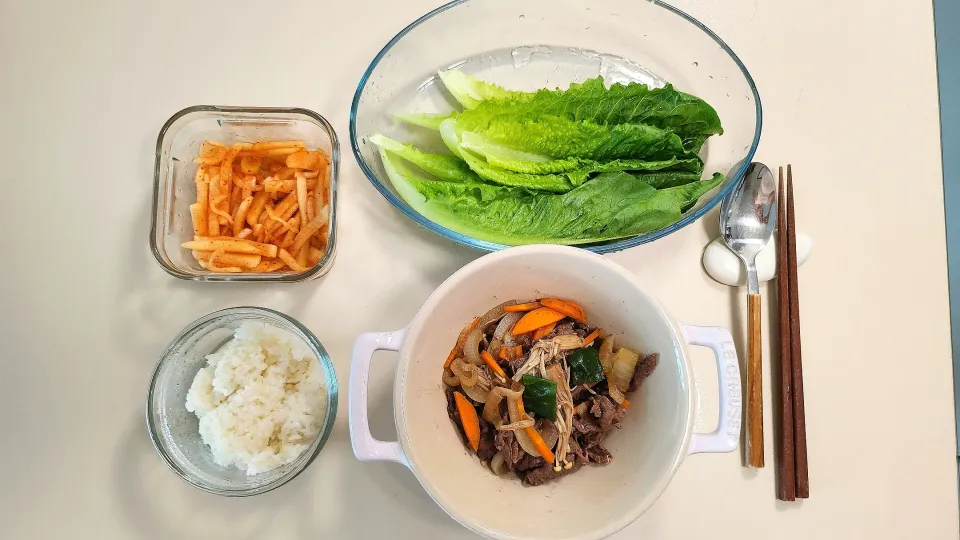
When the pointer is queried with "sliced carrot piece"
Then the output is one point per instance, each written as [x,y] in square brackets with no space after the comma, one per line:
[517,351]
[534,435]
[625,404]
[570,309]
[543,331]
[503,353]
[536,319]
[530,306]
[488,359]
[459,346]
[591,337]
[469,420]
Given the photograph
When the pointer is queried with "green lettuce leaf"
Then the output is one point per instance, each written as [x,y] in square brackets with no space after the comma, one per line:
[669,179]
[556,183]
[547,182]
[470,91]
[577,165]
[553,137]
[425,120]
[447,168]
[475,169]
[611,206]
[688,116]
[633,103]
[686,195]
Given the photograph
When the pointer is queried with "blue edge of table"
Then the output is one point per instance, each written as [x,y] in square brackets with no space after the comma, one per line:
[947,20]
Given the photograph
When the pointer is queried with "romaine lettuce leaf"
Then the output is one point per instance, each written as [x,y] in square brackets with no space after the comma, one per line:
[633,103]
[425,120]
[553,137]
[611,206]
[470,91]
[582,165]
[474,169]
[542,182]
[447,168]
[576,165]
[453,169]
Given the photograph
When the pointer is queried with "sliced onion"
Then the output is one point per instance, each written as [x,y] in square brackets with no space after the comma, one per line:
[624,364]
[471,347]
[548,432]
[451,380]
[616,394]
[491,409]
[468,374]
[514,426]
[494,347]
[506,323]
[499,465]
[479,391]
[493,315]
[606,355]
[522,438]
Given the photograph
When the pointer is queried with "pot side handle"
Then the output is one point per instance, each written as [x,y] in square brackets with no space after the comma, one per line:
[365,447]
[726,437]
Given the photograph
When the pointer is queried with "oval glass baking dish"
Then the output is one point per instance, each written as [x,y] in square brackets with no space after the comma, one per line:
[530,44]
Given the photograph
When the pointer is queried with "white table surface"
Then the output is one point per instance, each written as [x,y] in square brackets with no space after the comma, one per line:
[850,98]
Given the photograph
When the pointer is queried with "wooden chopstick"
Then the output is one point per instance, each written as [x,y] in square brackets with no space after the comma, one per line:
[786,472]
[799,417]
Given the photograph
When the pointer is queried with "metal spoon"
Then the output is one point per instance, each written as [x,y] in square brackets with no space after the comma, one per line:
[747,219]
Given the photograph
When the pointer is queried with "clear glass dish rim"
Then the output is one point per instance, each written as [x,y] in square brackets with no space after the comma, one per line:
[327,258]
[611,247]
[333,394]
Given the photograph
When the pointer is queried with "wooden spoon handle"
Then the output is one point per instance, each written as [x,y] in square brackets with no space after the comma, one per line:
[754,386]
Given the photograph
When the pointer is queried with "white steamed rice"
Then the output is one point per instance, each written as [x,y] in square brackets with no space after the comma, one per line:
[260,399]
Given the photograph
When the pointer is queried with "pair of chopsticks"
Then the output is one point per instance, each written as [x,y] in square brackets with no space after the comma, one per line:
[792,474]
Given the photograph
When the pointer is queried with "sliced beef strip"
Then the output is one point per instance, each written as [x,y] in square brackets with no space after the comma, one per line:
[607,411]
[487,448]
[546,472]
[592,449]
[596,453]
[528,462]
[578,451]
[518,363]
[505,365]
[601,387]
[586,426]
[564,329]
[524,340]
[568,329]
[643,370]
[451,404]
[591,438]
[580,393]
[506,443]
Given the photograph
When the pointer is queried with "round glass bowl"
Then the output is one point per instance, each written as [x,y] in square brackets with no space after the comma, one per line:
[175,431]
[530,44]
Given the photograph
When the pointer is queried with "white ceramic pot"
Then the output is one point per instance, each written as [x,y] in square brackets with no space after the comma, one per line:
[597,501]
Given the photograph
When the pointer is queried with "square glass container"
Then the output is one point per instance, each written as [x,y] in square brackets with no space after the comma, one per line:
[174,170]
